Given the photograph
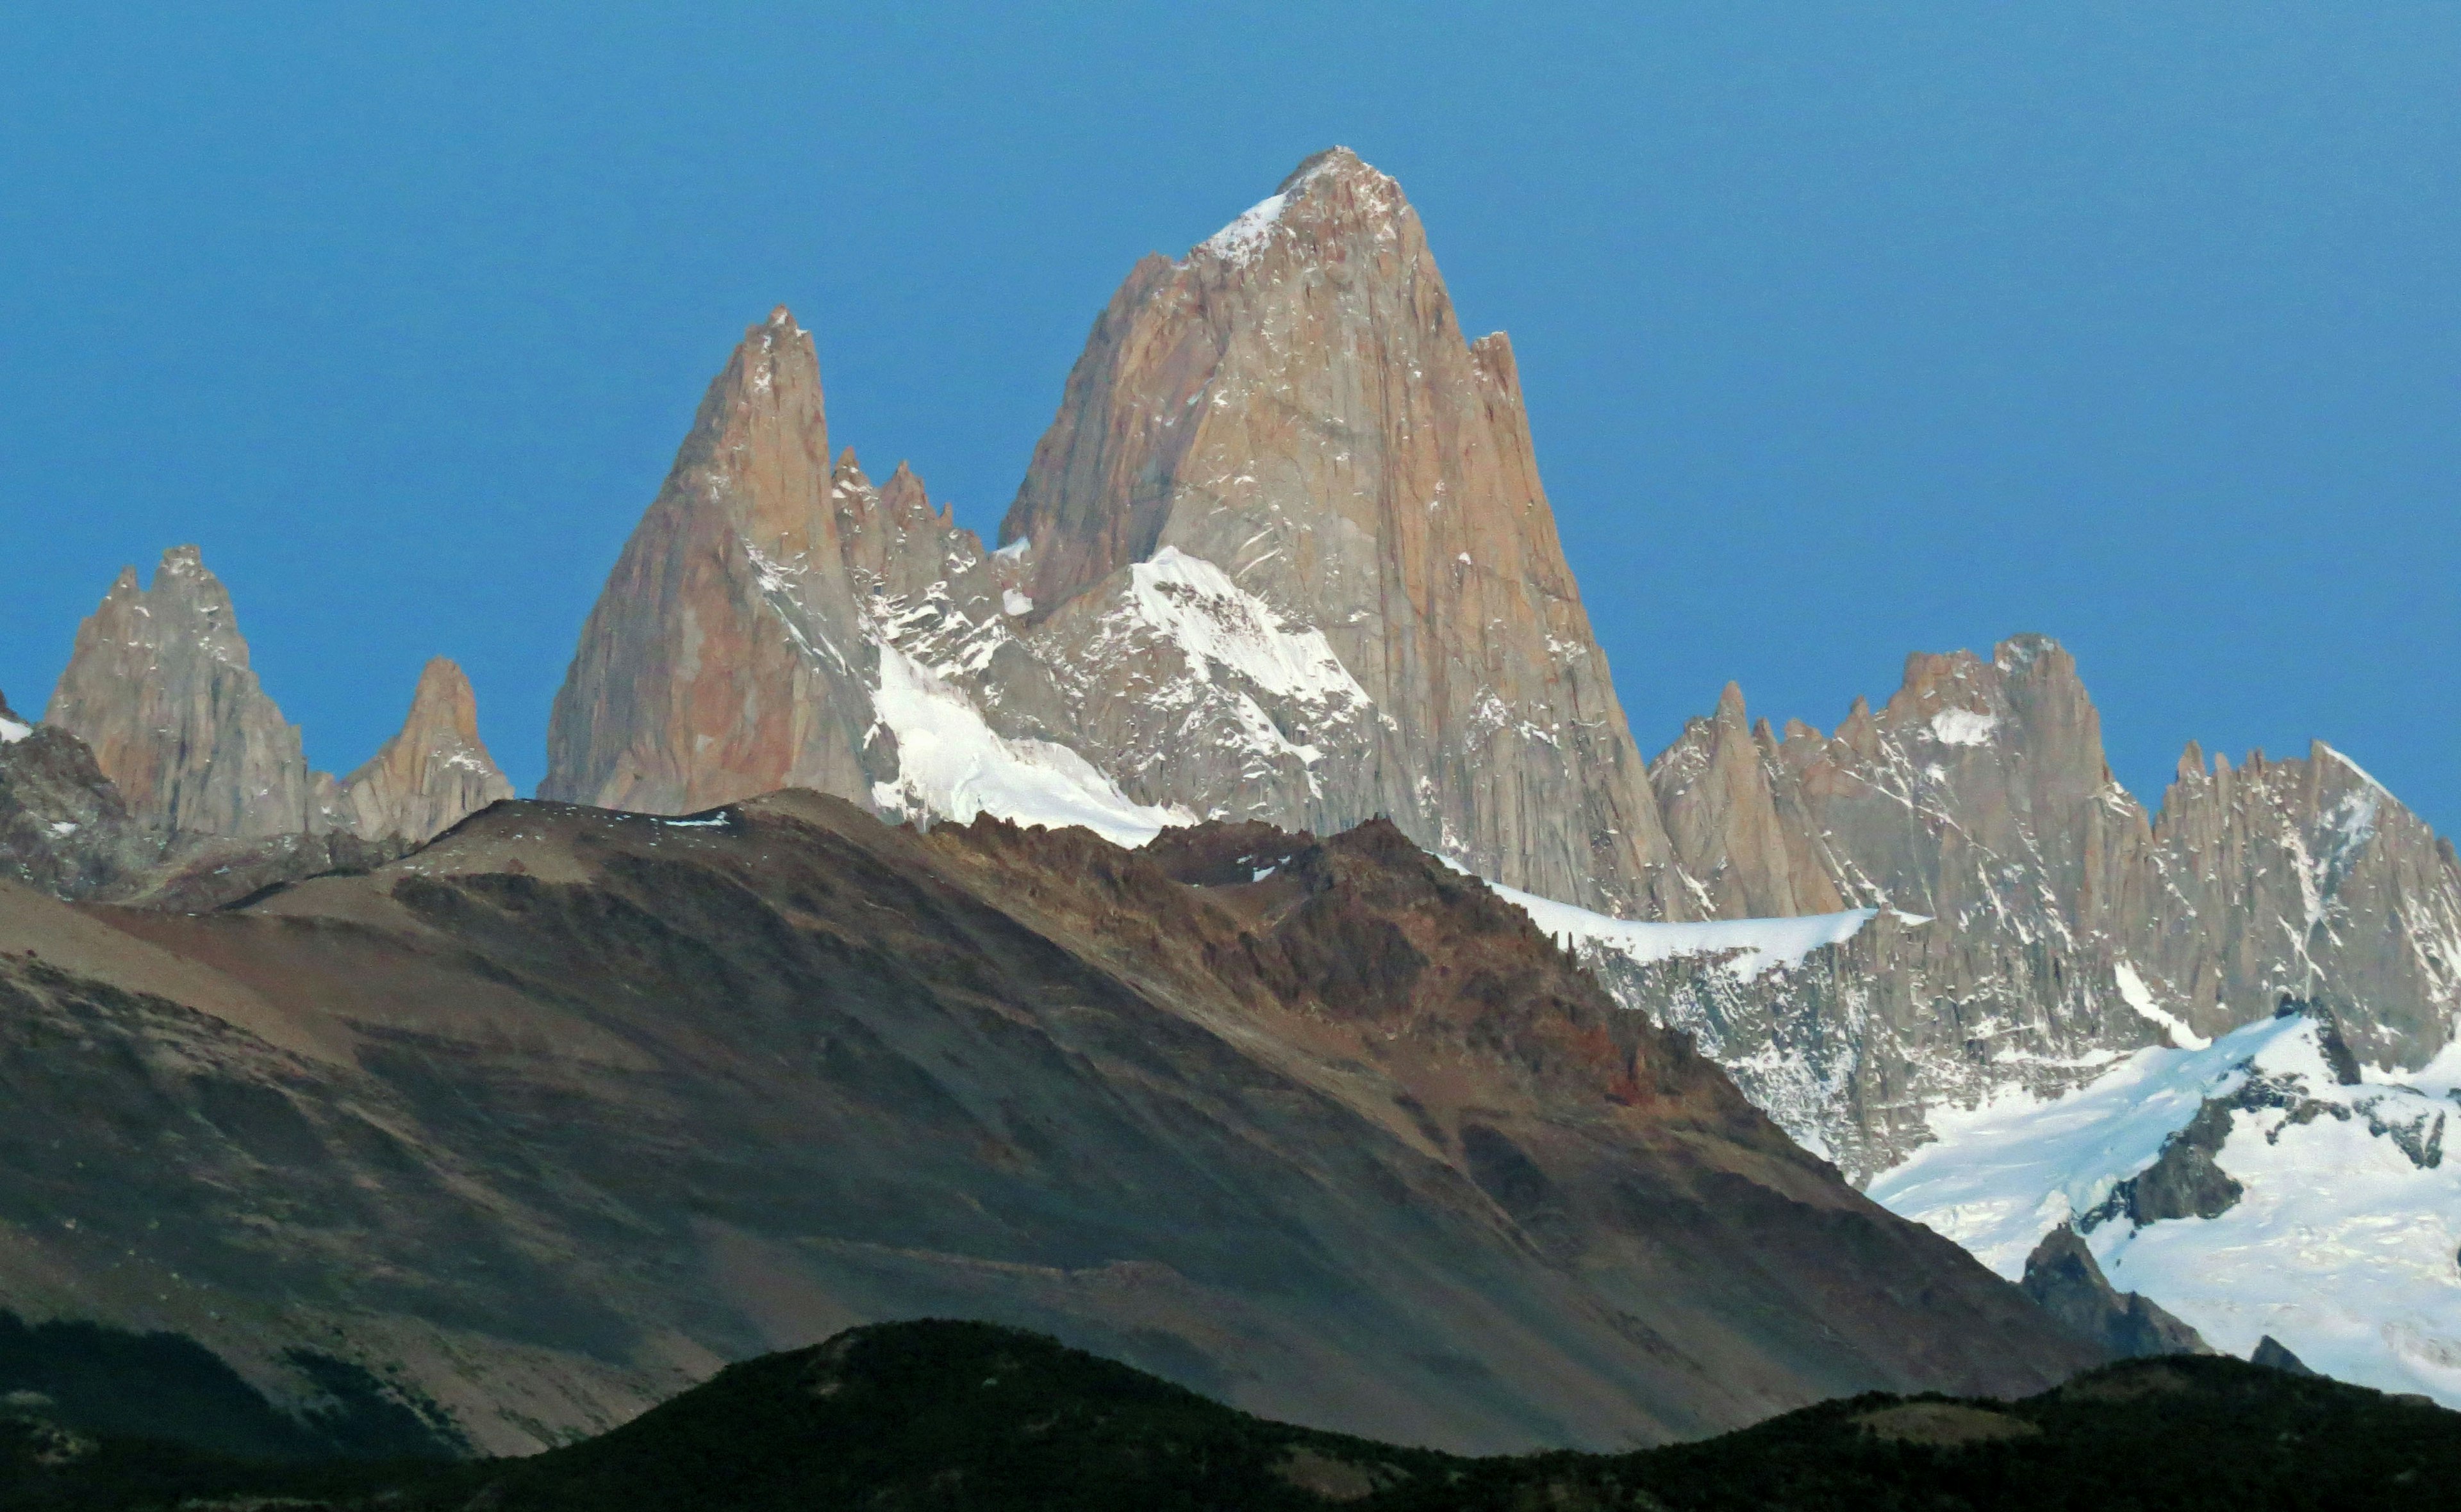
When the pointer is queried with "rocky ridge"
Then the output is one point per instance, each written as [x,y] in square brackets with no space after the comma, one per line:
[432,776]
[2034,923]
[163,775]
[1283,555]
[160,690]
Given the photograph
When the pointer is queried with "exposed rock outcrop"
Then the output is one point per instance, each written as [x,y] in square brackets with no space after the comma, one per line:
[63,827]
[433,775]
[159,689]
[1742,857]
[2303,877]
[2065,1281]
[164,776]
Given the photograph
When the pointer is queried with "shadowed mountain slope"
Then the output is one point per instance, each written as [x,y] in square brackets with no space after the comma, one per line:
[556,1115]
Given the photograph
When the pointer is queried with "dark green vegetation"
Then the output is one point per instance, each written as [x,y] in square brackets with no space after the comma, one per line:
[938,1416]
[101,1381]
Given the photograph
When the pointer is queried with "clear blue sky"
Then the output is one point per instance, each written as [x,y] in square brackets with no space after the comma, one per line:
[1846,330]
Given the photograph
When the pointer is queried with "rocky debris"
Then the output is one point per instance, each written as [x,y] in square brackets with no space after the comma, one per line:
[2064,1279]
[159,689]
[2183,1181]
[63,827]
[565,1108]
[2273,1354]
[429,778]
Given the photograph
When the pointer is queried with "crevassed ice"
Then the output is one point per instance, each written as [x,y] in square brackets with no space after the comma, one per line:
[1214,619]
[951,764]
[2341,1244]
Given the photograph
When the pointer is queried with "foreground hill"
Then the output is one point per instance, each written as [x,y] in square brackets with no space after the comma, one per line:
[557,1115]
[957,1415]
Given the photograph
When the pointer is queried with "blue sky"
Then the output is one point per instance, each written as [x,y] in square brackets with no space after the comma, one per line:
[1846,330]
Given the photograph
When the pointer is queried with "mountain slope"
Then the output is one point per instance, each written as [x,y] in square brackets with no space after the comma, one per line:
[558,1112]
[1294,404]
[2263,1186]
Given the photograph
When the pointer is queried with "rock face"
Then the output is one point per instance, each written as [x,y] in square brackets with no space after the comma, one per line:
[159,689]
[2066,1282]
[2036,924]
[1291,413]
[2304,877]
[567,1108]
[63,827]
[162,773]
[433,775]
[723,659]
[1283,555]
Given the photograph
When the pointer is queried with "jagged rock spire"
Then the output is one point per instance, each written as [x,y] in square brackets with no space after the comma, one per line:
[430,777]
[721,661]
[158,686]
[1293,406]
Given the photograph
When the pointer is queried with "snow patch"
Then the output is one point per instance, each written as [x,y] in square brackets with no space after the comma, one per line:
[1213,621]
[1016,603]
[2133,991]
[1963,727]
[2359,771]
[951,764]
[1239,242]
[11,732]
[2341,1244]
[1751,946]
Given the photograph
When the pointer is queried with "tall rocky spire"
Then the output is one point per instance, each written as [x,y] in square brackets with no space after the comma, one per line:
[431,775]
[718,662]
[1294,408]
[158,686]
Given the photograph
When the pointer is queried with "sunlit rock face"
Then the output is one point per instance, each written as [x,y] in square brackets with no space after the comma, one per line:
[1283,555]
[1293,406]
[159,689]
[429,778]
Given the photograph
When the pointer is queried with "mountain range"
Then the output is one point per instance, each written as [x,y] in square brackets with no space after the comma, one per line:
[1282,568]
